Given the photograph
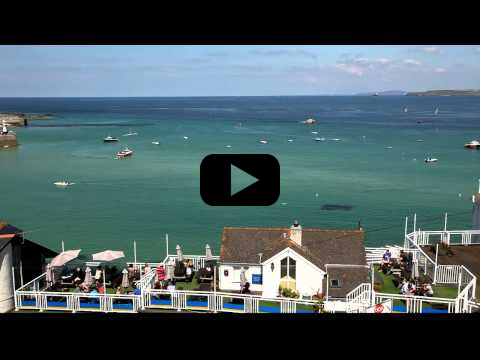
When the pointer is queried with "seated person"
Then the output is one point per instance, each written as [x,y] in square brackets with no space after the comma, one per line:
[412,289]
[101,289]
[246,288]
[427,290]
[146,269]
[171,285]
[404,287]
[180,270]
[131,273]
[98,273]
[161,273]
[189,273]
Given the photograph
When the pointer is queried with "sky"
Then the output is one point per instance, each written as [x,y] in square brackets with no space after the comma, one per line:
[260,70]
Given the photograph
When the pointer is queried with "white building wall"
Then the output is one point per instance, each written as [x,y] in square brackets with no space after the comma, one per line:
[308,276]
[7,302]
[232,281]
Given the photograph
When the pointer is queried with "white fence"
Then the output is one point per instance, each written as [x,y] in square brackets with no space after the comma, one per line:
[58,301]
[224,302]
[449,237]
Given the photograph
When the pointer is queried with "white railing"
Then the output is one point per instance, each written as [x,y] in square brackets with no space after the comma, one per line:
[448,274]
[37,284]
[198,260]
[73,302]
[415,304]
[223,302]
[360,298]
[449,237]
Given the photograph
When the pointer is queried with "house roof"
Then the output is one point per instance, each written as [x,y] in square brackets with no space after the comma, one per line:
[319,246]
[10,233]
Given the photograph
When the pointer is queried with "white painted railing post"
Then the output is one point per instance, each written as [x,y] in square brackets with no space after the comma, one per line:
[436,265]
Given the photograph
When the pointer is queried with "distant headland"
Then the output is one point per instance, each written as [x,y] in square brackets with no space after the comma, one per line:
[445,93]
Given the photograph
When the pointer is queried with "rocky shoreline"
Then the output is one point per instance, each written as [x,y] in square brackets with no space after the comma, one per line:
[17,119]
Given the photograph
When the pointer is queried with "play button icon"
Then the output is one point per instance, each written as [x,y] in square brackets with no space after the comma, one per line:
[239,180]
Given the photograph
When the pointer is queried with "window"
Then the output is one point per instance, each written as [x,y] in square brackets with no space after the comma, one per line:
[288,267]
[334,283]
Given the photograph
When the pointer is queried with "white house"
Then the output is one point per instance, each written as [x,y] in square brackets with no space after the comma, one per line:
[304,260]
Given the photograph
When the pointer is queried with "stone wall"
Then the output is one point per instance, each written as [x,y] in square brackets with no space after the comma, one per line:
[14,119]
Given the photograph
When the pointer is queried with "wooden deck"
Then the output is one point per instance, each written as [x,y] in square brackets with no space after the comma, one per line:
[468,256]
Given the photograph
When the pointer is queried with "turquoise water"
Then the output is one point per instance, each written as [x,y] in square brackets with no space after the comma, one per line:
[157,190]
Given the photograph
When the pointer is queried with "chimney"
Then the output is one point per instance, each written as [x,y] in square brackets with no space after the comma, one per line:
[296,233]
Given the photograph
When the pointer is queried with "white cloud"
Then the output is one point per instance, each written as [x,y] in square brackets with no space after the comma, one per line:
[350,68]
[412,62]
[383,61]
[440,70]
[431,49]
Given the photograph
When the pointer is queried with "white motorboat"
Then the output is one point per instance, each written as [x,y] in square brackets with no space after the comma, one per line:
[309,121]
[63,183]
[110,139]
[290,140]
[124,153]
[156,142]
[431,160]
[228,146]
[130,133]
[315,132]
[474,144]
[263,142]
[185,137]
[319,139]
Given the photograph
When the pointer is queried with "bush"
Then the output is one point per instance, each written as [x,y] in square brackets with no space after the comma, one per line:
[289,293]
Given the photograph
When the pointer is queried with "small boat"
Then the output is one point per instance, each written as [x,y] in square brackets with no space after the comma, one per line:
[474,144]
[335,139]
[290,140]
[63,183]
[315,132]
[436,111]
[156,142]
[430,160]
[420,140]
[185,138]
[263,142]
[228,146]
[319,139]
[389,147]
[309,121]
[130,133]
[110,139]
[405,110]
[124,153]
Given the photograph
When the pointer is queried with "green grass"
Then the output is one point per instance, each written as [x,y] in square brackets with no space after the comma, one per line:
[384,284]
[183,285]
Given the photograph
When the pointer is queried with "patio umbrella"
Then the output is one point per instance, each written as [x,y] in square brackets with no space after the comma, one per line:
[88,277]
[64,257]
[243,278]
[208,252]
[108,255]
[125,283]
[179,253]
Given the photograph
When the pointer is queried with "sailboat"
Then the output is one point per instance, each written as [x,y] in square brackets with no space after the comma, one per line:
[405,110]
[436,111]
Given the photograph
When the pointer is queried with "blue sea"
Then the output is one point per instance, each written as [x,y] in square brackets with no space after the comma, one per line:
[371,164]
